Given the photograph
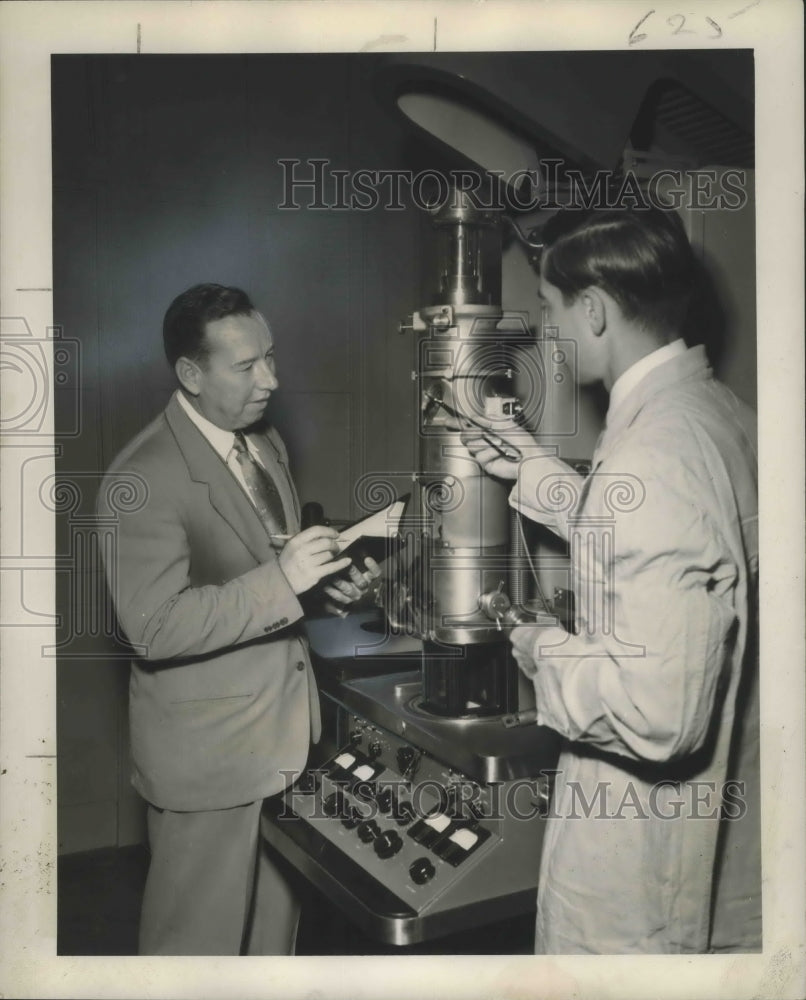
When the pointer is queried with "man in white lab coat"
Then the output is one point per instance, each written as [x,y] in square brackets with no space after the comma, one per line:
[653,841]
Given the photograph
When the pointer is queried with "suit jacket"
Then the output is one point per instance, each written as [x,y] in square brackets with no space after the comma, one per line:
[223,702]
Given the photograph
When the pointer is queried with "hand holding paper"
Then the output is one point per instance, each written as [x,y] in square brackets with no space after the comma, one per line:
[382,524]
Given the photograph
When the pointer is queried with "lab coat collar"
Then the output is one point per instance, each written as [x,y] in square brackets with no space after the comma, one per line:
[693,365]
[633,376]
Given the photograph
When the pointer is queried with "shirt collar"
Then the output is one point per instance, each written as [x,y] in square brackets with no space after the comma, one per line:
[629,379]
[220,439]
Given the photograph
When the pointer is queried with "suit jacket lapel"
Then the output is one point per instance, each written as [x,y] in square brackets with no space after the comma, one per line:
[226,496]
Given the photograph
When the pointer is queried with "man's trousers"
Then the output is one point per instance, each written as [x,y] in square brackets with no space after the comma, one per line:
[214,888]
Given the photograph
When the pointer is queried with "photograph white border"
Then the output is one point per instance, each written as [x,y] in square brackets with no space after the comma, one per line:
[29,33]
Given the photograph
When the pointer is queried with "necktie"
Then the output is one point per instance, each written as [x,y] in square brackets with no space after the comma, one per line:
[260,487]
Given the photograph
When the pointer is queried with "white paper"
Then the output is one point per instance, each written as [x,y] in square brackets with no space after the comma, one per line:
[382,524]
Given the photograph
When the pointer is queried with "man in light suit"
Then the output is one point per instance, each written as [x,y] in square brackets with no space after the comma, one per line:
[223,702]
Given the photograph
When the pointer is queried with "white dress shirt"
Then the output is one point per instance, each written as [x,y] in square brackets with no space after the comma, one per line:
[222,441]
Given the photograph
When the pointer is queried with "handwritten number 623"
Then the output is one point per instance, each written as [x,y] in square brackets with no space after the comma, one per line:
[677,22]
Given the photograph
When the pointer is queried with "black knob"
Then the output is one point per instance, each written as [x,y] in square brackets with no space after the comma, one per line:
[374,748]
[453,800]
[388,844]
[422,870]
[460,806]
[364,791]
[404,813]
[368,831]
[307,783]
[405,757]
[475,809]
[388,800]
[333,804]
[355,737]
[351,817]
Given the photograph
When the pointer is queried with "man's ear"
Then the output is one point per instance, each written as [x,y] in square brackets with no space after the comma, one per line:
[188,372]
[594,308]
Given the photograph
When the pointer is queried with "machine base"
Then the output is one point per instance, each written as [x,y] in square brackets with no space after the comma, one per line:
[395,834]
[377,911]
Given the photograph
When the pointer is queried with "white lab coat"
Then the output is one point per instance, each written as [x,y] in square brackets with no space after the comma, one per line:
[656,694]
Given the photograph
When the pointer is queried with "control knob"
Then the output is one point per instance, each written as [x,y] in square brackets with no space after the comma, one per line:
[404,813]
[388,844]
[422,870]
[364,791]
[307,783]
[475,809]
[333,805]
[351,817]
[405,758]
[388,800]
[368,831]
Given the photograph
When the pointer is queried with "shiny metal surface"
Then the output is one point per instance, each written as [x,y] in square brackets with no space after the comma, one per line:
[456,592]
[486,750]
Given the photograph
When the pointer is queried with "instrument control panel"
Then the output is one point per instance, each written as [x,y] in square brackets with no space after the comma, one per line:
[411,833]
[407,845]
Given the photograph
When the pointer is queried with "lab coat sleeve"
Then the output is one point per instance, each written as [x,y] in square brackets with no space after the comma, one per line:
[547,491]
[647,687]
[163,616]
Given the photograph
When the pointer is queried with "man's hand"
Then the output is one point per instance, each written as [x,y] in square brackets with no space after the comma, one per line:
[345,592]
[495,450]
[308,557]
[524,642]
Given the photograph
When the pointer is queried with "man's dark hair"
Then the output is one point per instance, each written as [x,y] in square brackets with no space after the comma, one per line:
[184,324]
[642,258]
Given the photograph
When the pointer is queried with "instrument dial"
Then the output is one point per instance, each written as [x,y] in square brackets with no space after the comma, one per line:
[422,870]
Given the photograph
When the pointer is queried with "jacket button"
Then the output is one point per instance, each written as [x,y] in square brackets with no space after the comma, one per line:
[300,665]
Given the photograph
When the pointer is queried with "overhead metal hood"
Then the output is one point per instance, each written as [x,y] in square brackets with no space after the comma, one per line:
[503,110]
